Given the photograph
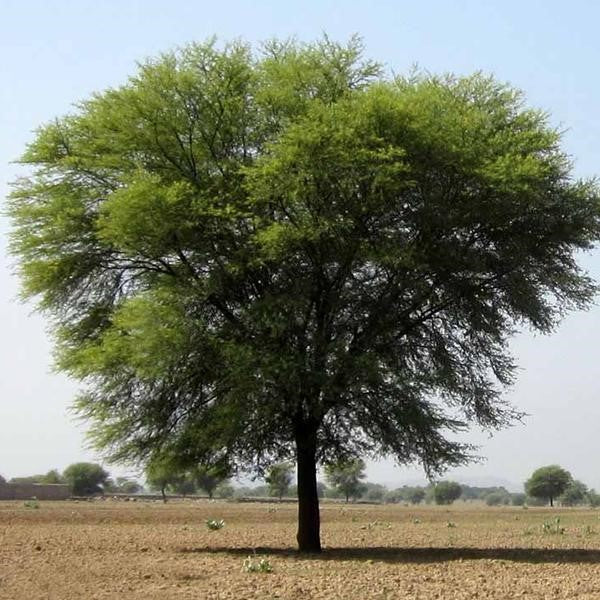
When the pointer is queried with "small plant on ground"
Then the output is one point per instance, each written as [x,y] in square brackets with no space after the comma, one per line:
[253,564]
[33,503]
[214,525]
[553,527]
[450,524]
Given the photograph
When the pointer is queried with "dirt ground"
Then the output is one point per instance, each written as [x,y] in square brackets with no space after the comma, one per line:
[116,549]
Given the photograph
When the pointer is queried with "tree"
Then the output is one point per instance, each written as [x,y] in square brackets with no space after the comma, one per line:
[346,476]
[518,499]
[287,255]
[374,492]
[415,495]
[497,498]
[279,479]
[225,490]
[185,485]
[161,474]
[85,478]
[52,476]
[446,492]
[547,483]
[593,498]
[574,494]
[125,485]
[209,478]
[2,480]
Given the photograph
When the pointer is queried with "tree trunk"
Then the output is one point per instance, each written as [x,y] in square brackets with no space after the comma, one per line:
[164,496]
[309,521]
[551,502]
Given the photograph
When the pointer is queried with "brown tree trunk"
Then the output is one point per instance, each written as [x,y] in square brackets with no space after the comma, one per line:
[309,520]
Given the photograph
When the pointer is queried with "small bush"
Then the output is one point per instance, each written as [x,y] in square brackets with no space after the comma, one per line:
[33,503]
[253,565]
[214,525]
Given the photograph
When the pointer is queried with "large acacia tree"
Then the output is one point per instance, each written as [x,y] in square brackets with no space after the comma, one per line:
[253,256]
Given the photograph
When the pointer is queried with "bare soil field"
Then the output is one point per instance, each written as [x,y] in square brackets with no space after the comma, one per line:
[115,549]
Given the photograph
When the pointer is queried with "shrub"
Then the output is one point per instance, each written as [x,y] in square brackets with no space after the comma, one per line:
[253,565]
[446,492]
[214,525]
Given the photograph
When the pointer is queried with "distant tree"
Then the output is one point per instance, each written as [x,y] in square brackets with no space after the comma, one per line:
[497,498]
[547,483]
[518,499]
[2,480]
[162,474]
[52,476]
[446,492]
[415,495]
[224,490]
[85,478]
[208,478]
[346,476]
[321,489]
[185,485]
[593,498]
[125,485]
[575,494]
[393,496]
[279,477]
[374,492]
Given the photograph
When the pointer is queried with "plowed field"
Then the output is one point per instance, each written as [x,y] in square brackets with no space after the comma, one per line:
[147,550]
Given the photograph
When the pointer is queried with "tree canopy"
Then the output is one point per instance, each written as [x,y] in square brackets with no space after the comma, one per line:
[446,492]
[257,256]
[346,477]
[85,479]
[279,477]
[547,483]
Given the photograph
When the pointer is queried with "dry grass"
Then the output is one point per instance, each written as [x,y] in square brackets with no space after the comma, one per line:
[148,550]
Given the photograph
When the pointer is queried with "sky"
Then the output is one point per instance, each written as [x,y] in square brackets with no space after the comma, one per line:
[53,54]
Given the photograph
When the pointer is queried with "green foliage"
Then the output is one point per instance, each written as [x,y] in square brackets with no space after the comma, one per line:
[547,483]
[215,525]
[575,494]
[446,492]
[497,498]
[163,472]
[123,485]
[85,478]
[33,503]
[345,477]
[374,492]
[52,476]
[255,256]
[252,564]
[225,490]
[209,478]
[279,477]
[593,498]
[518,499]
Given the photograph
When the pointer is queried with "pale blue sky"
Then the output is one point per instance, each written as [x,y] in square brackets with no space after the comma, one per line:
[54,53]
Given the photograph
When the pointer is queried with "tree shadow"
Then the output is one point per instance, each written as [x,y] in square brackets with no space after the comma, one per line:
[418,555]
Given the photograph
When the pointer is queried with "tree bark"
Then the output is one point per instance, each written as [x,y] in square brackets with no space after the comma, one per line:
[309,520]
